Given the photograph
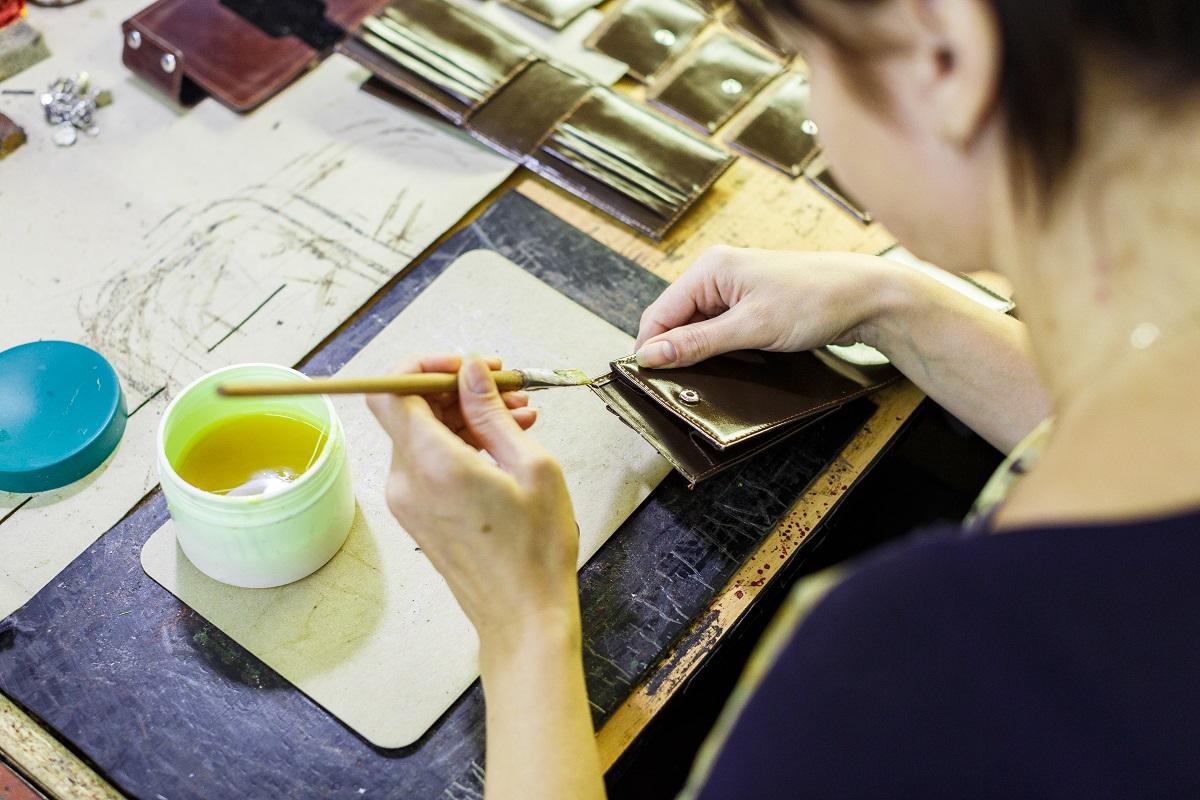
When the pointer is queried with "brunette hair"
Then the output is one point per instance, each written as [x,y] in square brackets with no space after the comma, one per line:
[1044,45]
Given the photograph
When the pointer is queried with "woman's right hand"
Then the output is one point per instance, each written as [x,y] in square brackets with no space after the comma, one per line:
[741,299]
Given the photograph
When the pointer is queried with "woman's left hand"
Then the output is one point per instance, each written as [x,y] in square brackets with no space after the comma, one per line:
[503,535]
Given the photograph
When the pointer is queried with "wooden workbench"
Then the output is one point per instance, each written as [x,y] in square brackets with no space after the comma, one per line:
[751,205]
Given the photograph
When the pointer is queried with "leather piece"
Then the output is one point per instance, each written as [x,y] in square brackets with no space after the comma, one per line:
[716,79]
[517,118]
[651,145]
[555,13]
[737,400]
[439,53]
[397,77]
[828,186]
[218,52]
[623,158]
[782,133]
[686,450]
[646,34]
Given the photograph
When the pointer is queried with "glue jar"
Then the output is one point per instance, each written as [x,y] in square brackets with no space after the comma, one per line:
[260,540]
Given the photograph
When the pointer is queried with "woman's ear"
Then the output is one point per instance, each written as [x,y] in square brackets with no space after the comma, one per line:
[958,47]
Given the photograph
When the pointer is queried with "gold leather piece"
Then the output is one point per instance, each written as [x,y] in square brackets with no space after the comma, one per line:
[443,55]
[646,34]
[558,14]
[828,185]
[517,117]
[782,133]
[712,82]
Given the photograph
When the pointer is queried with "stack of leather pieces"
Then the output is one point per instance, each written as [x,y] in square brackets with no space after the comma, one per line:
[624,159]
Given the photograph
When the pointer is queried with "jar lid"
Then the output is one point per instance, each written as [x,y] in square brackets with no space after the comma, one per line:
[62,414]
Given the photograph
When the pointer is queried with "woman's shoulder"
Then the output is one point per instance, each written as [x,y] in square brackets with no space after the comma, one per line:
[934,564]
[1016,664]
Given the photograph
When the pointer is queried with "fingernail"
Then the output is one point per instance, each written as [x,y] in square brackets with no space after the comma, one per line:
[478,377]
[656,354]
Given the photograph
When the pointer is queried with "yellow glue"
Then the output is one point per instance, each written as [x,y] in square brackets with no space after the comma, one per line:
[251,454]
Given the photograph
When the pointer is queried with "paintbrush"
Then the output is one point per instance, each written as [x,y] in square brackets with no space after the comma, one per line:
[508,380]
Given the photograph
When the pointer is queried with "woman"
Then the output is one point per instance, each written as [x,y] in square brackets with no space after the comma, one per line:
[1054,651]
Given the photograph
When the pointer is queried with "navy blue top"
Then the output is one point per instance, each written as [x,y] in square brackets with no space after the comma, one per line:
[1061,663]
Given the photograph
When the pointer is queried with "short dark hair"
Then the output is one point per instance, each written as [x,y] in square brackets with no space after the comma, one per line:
[1044,45]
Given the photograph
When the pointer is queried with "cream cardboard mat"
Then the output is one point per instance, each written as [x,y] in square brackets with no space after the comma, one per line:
[178,242]
[375,636]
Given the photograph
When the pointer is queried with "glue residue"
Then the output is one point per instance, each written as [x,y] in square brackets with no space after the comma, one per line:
[251,455]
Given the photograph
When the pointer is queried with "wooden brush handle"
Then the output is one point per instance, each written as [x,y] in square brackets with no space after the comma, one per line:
[509,380]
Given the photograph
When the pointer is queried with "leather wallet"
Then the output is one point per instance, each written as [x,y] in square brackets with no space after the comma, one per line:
[828,186]
[555,13]
[646,34]
[706,418]
[239,51]
[782,133]
[620,157]
[714,80]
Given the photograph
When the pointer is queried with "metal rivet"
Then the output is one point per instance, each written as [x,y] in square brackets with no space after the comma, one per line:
[1144,335]
[809,127]
[134,40]
[731,86]
[689,397]
[664,37]
[168,63]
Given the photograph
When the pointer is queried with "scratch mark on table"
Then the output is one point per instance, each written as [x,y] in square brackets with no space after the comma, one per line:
[247,318]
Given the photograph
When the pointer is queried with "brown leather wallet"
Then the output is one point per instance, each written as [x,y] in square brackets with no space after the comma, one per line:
[620,157]
[190,48]
[708,417]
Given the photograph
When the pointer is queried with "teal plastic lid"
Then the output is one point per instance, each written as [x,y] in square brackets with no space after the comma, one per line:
[61,414]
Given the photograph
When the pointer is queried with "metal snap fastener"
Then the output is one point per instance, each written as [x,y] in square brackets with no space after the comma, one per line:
[134,40]
[689,397]
[731,86]
[168,63]
[809,127]
[664,37]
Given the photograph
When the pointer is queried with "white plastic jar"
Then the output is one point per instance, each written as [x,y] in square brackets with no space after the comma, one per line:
[262,540]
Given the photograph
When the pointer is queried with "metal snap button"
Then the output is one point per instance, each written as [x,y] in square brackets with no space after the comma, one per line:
[664,37]
[731,86]
[168,63]
[134,40]
[809,127]
[689,397]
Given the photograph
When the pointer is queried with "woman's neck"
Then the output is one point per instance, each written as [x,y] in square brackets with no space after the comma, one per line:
[1110,288]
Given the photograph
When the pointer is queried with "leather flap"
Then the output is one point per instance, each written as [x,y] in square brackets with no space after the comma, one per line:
[692,455]
[738,397]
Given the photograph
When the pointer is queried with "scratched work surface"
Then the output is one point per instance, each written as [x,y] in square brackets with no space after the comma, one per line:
[178,242]
[166,706]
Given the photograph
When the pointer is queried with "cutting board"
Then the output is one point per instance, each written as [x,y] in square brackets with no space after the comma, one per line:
[375,636]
